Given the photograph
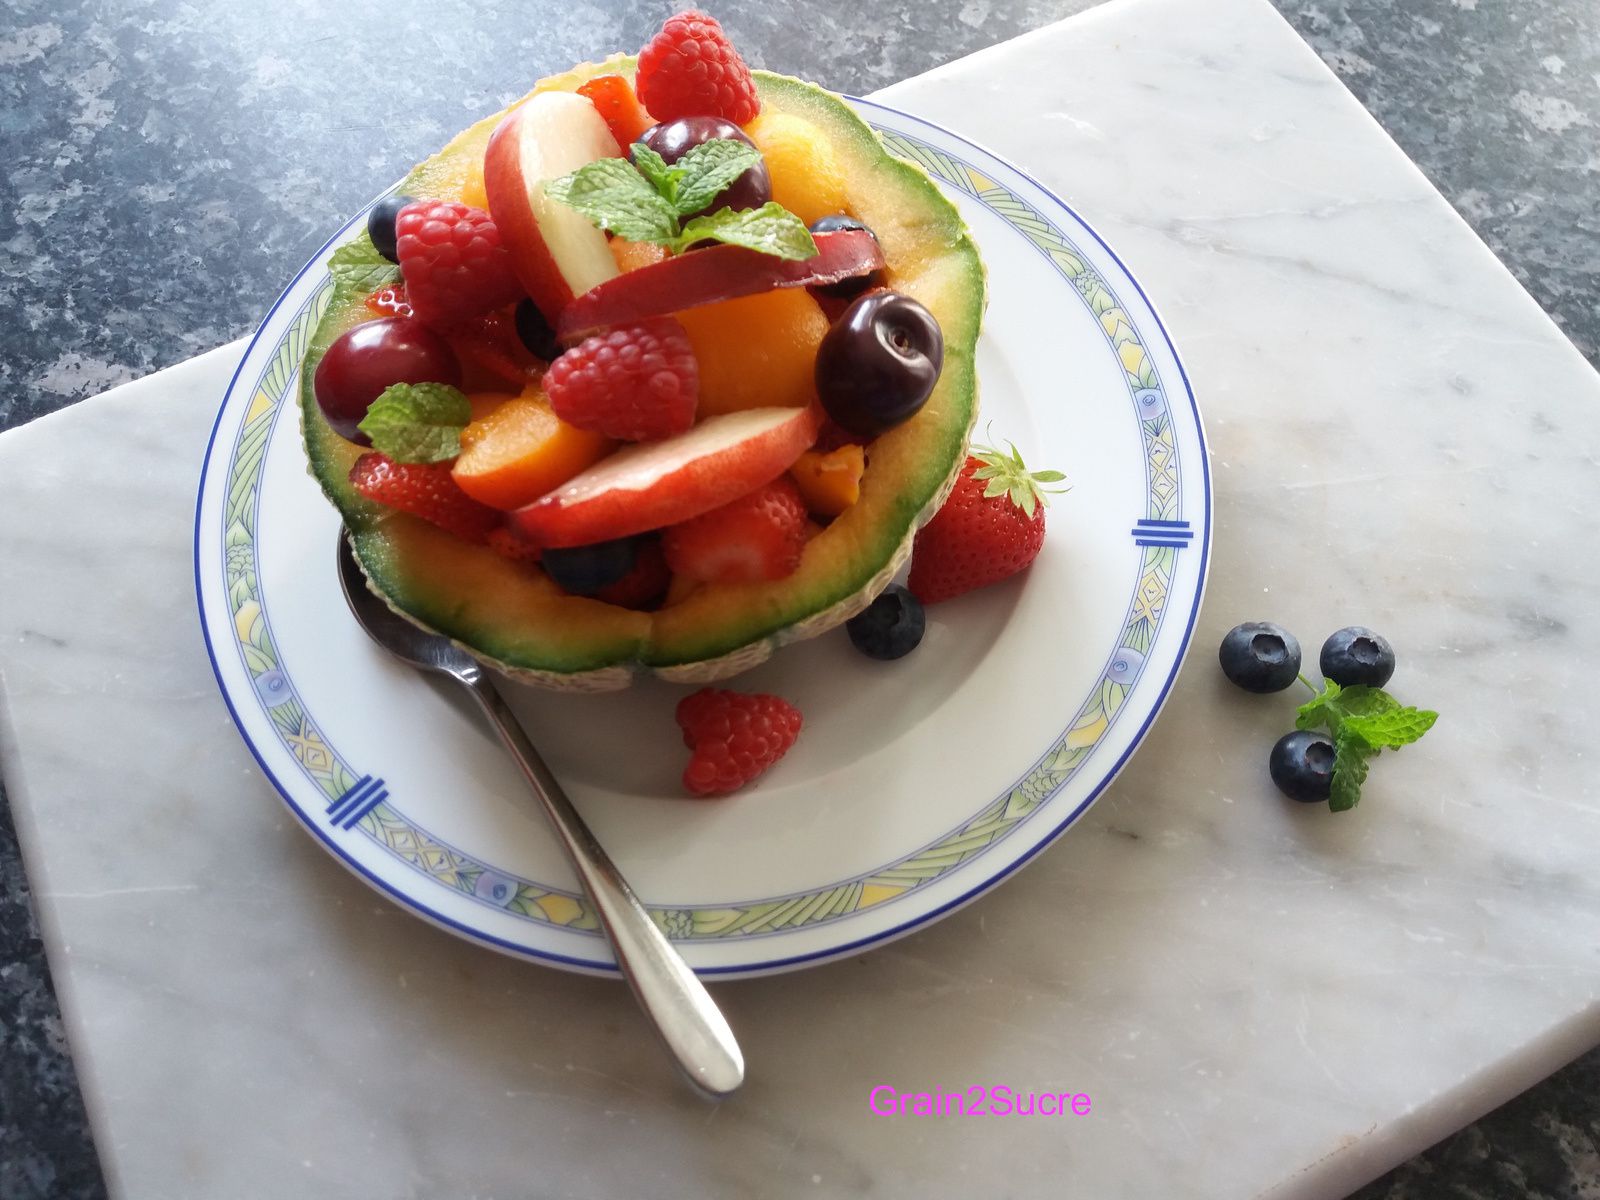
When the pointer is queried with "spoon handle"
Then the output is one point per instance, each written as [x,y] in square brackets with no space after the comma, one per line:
[676,1002]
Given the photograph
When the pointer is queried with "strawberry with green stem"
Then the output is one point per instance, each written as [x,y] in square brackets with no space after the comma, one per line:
[990,528]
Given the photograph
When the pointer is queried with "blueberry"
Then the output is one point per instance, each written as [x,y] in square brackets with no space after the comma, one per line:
[1355,655]
[535,331]
[1260,656]
[380,224]
[845,289]
[890,627]
[585,570]
[1302,765]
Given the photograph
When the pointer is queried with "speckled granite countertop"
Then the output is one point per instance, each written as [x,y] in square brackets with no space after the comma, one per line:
[170,166]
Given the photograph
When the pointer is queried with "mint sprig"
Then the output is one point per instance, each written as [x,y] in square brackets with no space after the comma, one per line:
[648,199]
[417,422]
[1362,721]
[358,269]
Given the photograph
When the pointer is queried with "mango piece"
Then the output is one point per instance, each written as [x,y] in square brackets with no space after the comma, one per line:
[472,191]
[519,449]
[630,256]
[757,351]
[830,483]
[806,178]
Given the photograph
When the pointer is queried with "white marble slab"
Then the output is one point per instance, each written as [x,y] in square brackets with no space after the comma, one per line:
[1261,999]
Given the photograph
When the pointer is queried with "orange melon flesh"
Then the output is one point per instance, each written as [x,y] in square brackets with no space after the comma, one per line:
[757,351]
[518,620]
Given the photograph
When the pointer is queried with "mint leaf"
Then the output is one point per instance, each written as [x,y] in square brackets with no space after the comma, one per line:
[770,229]
[1362,721]
[616,197]
[656,171]
[709,168]
[1390,730]
[1315,712]
[1336,705]
[358,269]
[1350,755]
[417,422]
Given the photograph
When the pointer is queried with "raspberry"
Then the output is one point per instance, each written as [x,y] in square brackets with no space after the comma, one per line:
[690,69]
[735,737]
[424,490]
[454,264]
[761,535]
[636,383]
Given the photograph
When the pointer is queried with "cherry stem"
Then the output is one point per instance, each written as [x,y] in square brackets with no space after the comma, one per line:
[1307,682]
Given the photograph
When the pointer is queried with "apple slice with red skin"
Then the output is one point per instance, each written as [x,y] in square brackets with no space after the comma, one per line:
[654,484]
[555,250]
[715,273]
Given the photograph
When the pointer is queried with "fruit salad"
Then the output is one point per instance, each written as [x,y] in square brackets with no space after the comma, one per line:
[658,370]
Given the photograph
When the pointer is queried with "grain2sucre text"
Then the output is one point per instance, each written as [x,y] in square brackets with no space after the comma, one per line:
[977,1100]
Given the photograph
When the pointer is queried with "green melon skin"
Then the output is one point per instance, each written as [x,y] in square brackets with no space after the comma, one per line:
[519,622]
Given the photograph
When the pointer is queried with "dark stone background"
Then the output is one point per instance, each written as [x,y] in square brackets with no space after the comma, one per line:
[169,165]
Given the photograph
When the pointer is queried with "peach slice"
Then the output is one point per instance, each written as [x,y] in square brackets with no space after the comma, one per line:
[519,450]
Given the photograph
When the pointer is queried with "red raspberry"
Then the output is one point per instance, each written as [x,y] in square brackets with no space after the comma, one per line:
[690,69]
[454,264]
[761,535]
[734,737]
[637,383]
[424,490]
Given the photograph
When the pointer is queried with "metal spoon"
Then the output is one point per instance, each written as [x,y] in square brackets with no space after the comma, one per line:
[689,1022]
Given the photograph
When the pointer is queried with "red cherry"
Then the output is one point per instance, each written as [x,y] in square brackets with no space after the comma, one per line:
[366,360]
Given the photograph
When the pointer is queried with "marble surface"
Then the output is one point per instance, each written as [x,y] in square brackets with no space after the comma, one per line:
[1203,262]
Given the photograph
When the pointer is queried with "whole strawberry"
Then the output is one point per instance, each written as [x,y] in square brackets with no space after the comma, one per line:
[991,527]
[690,69]
[424,490]
[454,264]
[735,737]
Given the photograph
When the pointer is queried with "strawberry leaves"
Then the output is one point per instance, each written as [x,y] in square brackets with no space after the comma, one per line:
[1007,475]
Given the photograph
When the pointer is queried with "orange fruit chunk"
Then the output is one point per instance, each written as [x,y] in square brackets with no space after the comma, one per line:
[830,482]
[630,256]
[806,178]
[614,99]
[757,351]
[518,450]
[472,192]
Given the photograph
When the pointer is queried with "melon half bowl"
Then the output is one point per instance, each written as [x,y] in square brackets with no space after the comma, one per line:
[515,619]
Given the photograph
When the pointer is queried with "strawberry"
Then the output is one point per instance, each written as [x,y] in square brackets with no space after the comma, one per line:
[424,490]
[758,536]
[454,264]
[645,585]
[991,527]
[491,354]
[390,301]
[508,543]
[735,737]
[690,69]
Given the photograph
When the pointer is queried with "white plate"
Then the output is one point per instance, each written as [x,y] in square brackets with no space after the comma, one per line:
[915,786]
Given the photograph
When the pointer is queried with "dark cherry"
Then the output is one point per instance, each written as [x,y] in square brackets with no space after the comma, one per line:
[365,360]
[673,139]
[878,364]
[380,224]
[845,289]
